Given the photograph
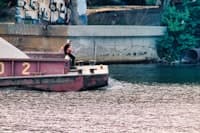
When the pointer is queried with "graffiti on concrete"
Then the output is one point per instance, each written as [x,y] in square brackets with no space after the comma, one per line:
[43,11]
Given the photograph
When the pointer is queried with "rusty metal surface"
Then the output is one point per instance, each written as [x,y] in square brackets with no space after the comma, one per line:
[51,83]
[59,84]
[27,67]
[95,81]
[56,82]
[50,74]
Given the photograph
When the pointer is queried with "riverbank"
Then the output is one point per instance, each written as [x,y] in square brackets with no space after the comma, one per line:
[122,107]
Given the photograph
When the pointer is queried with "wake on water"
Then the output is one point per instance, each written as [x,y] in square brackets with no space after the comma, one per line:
[114,84]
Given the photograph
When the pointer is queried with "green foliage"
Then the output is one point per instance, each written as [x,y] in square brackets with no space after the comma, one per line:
[183,29]
[7,3]
[174,19]
[3,3]
[150,2]
[195,19]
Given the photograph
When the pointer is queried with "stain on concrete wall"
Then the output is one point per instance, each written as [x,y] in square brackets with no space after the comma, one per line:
[115,49]
[101,43]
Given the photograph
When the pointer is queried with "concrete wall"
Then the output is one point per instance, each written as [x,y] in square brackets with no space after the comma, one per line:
[103,43]
[125,15]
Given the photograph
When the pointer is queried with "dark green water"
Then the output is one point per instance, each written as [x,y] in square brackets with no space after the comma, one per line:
[153,73]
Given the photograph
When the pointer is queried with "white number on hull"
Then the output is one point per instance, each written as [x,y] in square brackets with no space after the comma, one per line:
[26,67]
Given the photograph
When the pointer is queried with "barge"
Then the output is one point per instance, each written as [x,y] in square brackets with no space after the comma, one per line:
[51,75]
[47,71]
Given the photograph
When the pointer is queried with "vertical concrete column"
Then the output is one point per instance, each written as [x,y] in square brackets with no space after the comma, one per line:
[74,12]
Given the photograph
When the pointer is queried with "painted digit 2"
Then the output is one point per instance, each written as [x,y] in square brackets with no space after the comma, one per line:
[26,67]
[2,68]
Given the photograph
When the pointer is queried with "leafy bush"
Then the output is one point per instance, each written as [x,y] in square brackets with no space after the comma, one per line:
[150,2]
[183,26]
[7,3]
[3,3]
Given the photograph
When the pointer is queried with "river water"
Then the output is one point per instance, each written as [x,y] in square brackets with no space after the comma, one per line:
[139,98]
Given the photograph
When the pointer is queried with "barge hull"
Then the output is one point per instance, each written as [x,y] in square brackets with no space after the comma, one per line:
[57,83]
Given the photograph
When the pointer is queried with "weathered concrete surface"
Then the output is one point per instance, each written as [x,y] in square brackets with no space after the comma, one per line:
[124,15]
[103,43]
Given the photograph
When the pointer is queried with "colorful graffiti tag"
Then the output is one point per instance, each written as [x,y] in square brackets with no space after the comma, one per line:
[43,11]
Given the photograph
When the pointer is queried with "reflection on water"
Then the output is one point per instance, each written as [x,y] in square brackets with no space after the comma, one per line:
[152,73]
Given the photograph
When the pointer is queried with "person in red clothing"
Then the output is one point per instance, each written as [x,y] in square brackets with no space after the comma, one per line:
[68,52]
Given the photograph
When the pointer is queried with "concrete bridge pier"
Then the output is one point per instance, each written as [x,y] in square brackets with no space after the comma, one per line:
[101,43]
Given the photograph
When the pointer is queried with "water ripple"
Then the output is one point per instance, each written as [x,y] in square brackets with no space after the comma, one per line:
[119,107]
